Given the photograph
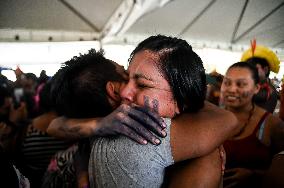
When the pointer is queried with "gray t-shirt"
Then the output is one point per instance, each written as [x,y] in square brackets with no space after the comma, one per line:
[121,162]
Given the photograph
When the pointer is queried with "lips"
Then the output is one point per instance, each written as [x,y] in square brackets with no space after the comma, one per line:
[231,98]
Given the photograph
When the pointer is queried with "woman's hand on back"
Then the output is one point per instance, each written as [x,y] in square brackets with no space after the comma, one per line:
[138,123]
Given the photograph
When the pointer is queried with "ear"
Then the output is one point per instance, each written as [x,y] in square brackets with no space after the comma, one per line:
[112,92]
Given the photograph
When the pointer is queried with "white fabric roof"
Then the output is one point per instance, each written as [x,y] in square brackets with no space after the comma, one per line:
[224,24]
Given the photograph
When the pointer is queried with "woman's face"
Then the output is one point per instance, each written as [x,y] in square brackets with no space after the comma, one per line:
[238,87]
[147,86]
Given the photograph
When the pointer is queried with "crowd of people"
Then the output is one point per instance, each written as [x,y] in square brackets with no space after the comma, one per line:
[94,124]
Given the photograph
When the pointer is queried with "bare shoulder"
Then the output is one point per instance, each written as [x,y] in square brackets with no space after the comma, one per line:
[214,112]
[210,113]
[271,120]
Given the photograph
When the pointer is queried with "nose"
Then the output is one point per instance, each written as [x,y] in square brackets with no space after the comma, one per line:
[232,88]
[128,93]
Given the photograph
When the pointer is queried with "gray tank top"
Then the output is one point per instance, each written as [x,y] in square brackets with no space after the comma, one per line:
[121,162]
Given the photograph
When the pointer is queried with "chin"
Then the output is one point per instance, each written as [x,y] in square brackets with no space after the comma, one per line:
[230,104]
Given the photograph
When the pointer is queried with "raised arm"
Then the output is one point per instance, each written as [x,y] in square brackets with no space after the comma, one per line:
[132,121]
[195,135]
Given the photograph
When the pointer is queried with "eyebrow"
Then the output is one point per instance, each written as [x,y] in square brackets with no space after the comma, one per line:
[239,79]
[141,76]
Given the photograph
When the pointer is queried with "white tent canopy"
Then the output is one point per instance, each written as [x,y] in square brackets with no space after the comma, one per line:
[206,24]
[226,24]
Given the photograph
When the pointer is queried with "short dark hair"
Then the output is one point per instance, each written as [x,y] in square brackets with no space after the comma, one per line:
[181,67]
[79,89]
[262,62]
[251,67]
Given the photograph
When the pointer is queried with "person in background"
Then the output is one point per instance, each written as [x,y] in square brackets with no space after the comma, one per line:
[10,119]
[281,95]
[35,147]
[265,60]
[42,80]
[260,134]
[214,81]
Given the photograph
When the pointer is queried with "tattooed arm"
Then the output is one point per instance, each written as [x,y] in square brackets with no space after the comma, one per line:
[132,121]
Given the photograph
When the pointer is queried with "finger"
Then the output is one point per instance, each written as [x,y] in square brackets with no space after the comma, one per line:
[153,114]
[126,131]
[143,114]
[141,130]
[145,117]
[147,122]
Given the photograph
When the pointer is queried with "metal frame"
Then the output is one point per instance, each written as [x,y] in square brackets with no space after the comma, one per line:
[197,17]
[77,13]
[257,23]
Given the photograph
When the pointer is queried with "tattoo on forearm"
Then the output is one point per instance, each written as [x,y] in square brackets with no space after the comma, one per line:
[73,132]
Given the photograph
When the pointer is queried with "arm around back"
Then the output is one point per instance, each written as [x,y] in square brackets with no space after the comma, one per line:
[195,135]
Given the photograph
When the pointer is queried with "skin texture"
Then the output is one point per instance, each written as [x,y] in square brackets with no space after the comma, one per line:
[200,172]
[237,89]
[147,86]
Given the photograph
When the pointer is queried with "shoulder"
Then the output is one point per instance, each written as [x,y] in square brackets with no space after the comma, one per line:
[270,125]
[124,148]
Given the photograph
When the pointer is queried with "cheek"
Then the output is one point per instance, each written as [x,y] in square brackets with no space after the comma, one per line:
[247,94]
[151,103]
[162,104]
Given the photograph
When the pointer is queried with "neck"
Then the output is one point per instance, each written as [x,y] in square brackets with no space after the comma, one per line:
[241,109]
[244,118]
